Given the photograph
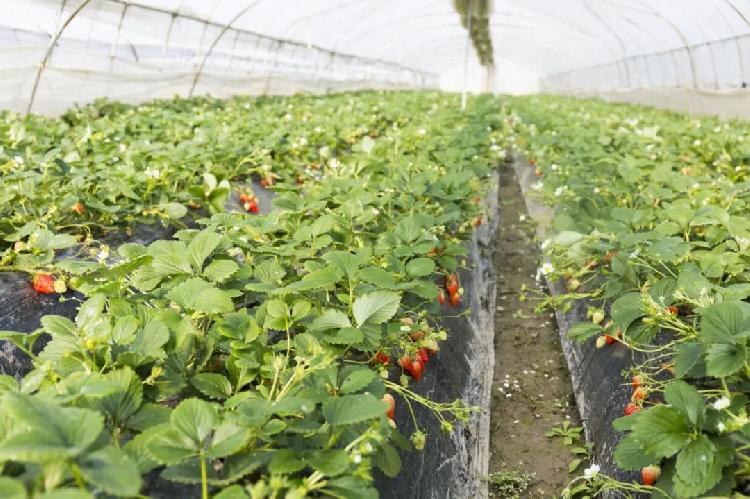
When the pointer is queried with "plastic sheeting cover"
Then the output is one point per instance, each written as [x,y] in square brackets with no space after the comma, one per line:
[132,48]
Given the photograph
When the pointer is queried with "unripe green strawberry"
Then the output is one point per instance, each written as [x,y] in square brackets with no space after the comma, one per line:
[60,286]
[597,317]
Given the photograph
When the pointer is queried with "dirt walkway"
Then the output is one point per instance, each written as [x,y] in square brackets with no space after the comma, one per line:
[531,390]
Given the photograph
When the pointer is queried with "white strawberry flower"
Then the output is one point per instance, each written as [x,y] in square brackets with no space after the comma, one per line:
[722,403]
[152,173]
[721,427]
[591,471]
[547,269]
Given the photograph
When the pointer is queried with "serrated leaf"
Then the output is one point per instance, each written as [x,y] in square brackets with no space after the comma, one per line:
[694,461]
[346,336]
[317,279]
[379,277]
[220,270]
[724,359]
[269,272]
[626,310]
[329,462]
[688,354]
[348,262]
[212,385]
[723,322]
[150,340]
[686,399]
[66,435]
[662,431]
[11,488]
[330,319]
[584,330]
[285,461]
[376,307]
[57,325]
[171,447]
[350,409]
[200,296]
[228,439]
[123,332]
[300,309]
[126,398]
[112,471]
[201,246]
[174,211]
[195,419]
[420,267]
[357,380]
[629,454]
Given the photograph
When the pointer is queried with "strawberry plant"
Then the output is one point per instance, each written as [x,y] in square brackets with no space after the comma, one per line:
[658,202]
[249,355]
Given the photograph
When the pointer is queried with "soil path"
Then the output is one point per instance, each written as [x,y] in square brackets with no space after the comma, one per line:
[531,389]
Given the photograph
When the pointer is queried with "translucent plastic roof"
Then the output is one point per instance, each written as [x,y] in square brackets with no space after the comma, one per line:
[412,43]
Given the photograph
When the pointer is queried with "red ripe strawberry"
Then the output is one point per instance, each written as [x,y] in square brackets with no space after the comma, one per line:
[609,339]
[455,299]
[441,298]
[416,370]
[639,393]
[251,206]
[405,362]
[650,474]
[423,355]
[672,310]
[44,283]
[382,358]
[631,408]
[244,198]
[391,411]
[451,284]
[78,208]
[477,220]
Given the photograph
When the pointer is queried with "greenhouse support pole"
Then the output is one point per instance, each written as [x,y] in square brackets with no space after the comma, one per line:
[215,43]
[50,49]
[469,15]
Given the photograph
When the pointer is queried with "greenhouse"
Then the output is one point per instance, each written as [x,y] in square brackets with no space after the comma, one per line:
[374,248]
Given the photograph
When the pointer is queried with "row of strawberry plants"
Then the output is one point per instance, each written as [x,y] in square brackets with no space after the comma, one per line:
[251,357]
[652,228]
[101,168]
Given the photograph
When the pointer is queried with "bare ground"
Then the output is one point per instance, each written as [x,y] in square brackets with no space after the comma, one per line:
[531,389]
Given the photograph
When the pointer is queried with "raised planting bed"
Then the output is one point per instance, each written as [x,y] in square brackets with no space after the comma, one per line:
[257,351]
[648,254]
